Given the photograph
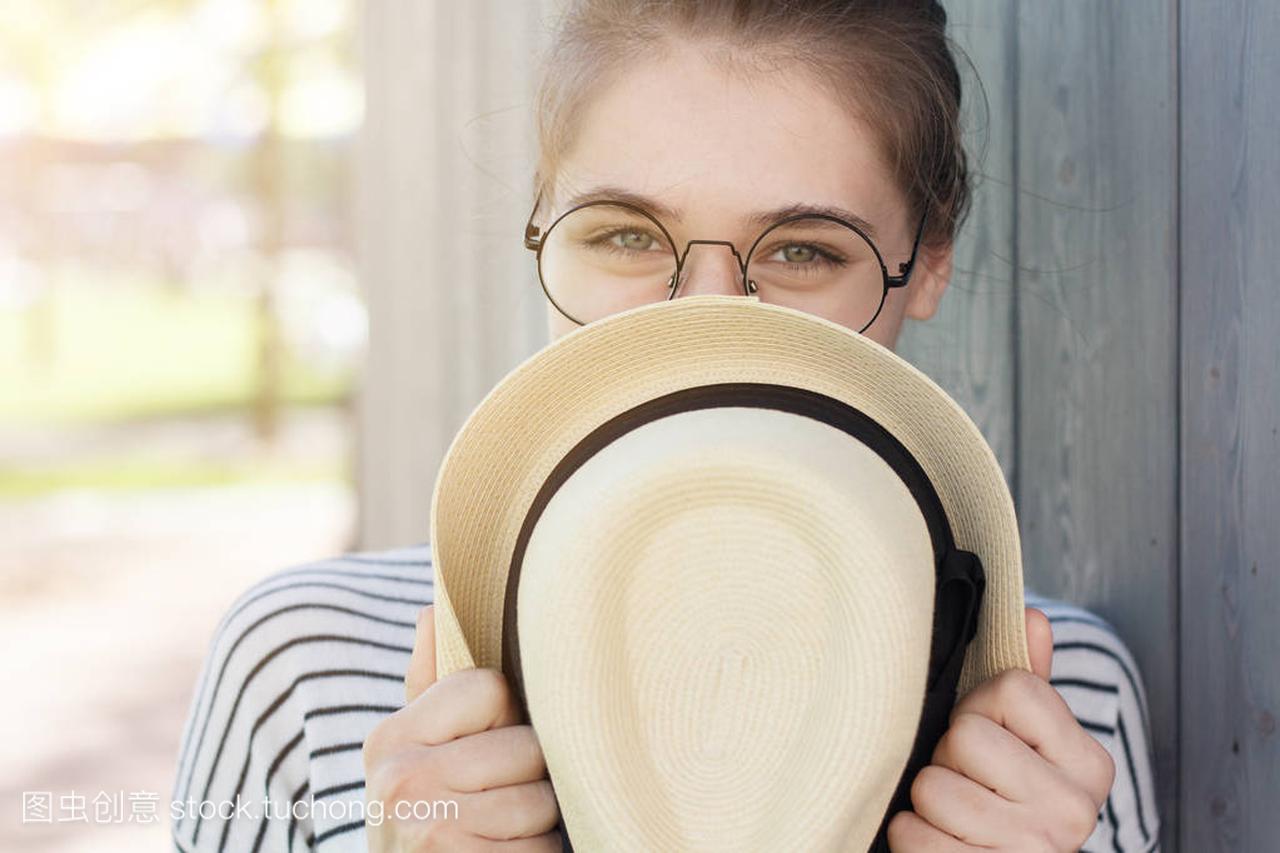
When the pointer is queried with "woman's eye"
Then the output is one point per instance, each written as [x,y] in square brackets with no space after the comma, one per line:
[797,254]
[637,241]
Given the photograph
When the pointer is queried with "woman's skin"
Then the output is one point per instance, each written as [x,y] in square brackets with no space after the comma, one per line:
[1015,771]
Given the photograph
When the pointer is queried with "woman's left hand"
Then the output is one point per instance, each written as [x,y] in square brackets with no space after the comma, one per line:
[1014,771]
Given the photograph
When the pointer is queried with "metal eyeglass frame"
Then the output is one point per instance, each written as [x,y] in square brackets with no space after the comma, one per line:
[534,240]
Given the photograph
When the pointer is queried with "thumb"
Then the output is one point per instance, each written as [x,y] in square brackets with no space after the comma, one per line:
[1039,642]
[422,663]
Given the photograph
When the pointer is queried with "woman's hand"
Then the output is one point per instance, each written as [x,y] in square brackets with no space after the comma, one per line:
[456,752]
[1014,771]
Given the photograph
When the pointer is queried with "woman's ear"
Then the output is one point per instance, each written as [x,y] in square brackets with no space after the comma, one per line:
[929,280]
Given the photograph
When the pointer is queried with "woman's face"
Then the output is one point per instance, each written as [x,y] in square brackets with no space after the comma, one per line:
[713,147]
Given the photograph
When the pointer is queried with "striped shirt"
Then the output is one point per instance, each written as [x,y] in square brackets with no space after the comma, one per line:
[308,660]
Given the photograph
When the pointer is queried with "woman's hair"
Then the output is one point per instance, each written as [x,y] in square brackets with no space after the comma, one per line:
[888,61]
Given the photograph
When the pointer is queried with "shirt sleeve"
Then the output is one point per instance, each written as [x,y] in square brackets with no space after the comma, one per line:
[301,668]
[211,808]
[1096,675]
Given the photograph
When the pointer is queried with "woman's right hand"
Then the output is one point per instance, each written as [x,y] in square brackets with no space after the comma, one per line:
[457,753]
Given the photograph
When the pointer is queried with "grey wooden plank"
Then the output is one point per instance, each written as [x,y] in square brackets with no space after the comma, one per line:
[1097,407]
[443,192]
[968,346]
[1230,177]
[390,199]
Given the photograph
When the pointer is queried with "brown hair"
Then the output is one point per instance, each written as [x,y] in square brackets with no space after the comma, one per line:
[888,61]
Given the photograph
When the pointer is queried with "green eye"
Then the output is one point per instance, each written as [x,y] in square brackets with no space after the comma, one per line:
[795,254]
[635,240]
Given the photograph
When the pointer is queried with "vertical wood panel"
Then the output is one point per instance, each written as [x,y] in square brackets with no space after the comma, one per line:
[1097,323]
[443,191]
[968,346]
[1230,173]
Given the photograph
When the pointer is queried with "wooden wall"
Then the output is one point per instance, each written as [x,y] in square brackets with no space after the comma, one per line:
[1112,326]
[443,189]
[1098,302]
[1229,455]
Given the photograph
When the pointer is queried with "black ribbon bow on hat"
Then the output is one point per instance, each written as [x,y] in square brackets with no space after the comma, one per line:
[961,583]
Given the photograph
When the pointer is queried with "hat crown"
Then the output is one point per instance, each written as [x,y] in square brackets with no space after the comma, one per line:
[708,596]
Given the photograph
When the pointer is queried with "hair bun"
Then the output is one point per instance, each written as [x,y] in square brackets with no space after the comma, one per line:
[936,13]
[931,11]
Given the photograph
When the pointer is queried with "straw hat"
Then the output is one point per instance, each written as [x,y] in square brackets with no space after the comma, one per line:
[730,557]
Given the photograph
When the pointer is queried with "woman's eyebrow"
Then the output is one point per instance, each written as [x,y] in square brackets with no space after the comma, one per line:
[765,217]
[608,193]
[762,218]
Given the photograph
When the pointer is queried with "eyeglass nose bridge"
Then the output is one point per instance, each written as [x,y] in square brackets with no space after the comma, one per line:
[677,278]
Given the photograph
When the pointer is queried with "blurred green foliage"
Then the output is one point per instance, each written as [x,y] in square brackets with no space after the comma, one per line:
[94,352]
[90,352]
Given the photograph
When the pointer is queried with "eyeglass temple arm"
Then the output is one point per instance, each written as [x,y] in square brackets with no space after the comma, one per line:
[904,269]
[532,233]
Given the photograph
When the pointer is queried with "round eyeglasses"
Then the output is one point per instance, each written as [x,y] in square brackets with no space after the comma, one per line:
[602,257]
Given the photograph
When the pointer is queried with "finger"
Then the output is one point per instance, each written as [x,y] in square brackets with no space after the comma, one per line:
[422,662]
[462,703]
[511,811]
[548,842]
[991,755]
[910,833]
[1030,708]
[491,759]
[961,807]
[1039,642]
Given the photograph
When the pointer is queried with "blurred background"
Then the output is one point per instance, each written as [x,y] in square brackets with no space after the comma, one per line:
[180,332]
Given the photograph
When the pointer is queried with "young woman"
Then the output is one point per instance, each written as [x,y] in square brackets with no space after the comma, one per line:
[783,148]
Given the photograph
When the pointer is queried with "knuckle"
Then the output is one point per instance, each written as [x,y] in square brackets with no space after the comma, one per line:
[532,808]
[547,805]
[927,782]
[1102,767]
[950,747]
[1079,817]
[491,687]
[405,776]
[385,737]
[376,742]
[384,778]
[375,779]
[967,728]
[430,765]
[1015,685]
[899,832]
[963,737]
[527,741]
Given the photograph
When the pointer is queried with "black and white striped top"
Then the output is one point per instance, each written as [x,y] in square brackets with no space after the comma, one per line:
[308,660]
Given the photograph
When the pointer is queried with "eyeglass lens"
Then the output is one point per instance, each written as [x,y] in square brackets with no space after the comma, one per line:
[604,258]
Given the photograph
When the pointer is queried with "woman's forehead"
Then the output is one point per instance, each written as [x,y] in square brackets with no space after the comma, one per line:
[701,138]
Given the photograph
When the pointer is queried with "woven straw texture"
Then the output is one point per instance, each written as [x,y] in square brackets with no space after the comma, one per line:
[724,621]
[524,426]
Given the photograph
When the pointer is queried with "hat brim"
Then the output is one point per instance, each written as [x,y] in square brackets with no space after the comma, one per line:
[500,458]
